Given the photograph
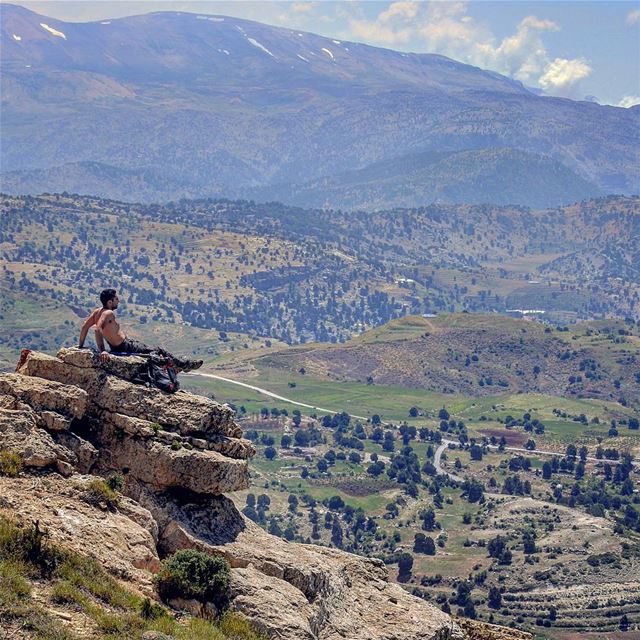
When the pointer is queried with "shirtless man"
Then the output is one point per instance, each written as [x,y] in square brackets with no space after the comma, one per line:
[107,327]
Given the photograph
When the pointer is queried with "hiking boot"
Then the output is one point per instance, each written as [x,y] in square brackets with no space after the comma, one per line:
[188,365]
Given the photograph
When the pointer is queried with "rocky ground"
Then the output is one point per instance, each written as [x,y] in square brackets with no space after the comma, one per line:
[71,419]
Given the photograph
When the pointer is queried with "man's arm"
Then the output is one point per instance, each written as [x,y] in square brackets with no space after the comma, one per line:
[105,318]
[99,340]
[88,323]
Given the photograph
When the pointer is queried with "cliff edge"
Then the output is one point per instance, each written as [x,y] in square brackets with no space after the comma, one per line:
[70,418]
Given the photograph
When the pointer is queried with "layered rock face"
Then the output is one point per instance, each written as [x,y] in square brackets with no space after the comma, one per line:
[70,416]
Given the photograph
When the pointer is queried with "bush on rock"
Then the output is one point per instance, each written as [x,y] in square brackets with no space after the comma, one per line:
[192,574]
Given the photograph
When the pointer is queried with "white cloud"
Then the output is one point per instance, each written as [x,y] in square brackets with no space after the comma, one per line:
[392,26]
[629,101]
[633,17]
[447,28]
[561,75]
[303,7]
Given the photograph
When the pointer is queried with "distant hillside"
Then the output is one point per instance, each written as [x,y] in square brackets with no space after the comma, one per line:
[169,105]
[278,273]
[480,355]
[498,176]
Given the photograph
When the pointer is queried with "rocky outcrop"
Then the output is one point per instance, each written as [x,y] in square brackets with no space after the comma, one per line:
[163,440]
[124,541]
[337,595]
[178,453]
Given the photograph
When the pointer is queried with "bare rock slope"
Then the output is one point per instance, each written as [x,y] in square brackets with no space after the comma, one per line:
[69,418]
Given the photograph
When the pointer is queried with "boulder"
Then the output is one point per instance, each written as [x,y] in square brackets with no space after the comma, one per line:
[20,434]
[119,543]
[161,467]
[271,603]
[335,594]
[45,395]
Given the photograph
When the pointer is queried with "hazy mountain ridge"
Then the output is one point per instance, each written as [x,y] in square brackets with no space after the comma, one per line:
[212,106]
[498,176]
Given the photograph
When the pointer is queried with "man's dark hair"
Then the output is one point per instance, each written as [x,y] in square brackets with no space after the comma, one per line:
[106,295]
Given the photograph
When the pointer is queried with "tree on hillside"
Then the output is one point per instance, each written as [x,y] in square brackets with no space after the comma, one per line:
[475,451]
[424,544]
[529,542]
[472,490]
[285,441]
[429,519]
[495,598]
[405,564]
[336,533]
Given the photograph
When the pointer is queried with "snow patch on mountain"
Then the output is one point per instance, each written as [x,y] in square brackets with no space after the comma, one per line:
[255,43]
[52,31]
[328,53]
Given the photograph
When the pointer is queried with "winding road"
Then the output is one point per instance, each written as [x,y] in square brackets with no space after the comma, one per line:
[439,451]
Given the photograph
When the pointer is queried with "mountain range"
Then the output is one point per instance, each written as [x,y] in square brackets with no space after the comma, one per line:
[169,105]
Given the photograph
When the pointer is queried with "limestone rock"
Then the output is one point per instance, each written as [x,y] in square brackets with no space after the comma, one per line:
[45,395]
[271,603]
[140,429]
[122,546]
[344,596]
[185,412]
[84,454]
[19,433]
[76,371]
[161,467]
[53,421]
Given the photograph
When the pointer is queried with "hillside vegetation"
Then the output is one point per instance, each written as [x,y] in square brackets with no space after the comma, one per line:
[270,272]
[480,355]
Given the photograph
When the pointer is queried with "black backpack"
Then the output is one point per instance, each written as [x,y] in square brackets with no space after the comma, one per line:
[159,372]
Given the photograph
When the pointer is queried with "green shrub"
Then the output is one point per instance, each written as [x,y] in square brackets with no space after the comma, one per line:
[10,463]
[29,545]
[99,494]
[115,482]
[193,574]
[150,610]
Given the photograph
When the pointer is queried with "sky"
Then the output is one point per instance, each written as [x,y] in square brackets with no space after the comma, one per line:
[579,49]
